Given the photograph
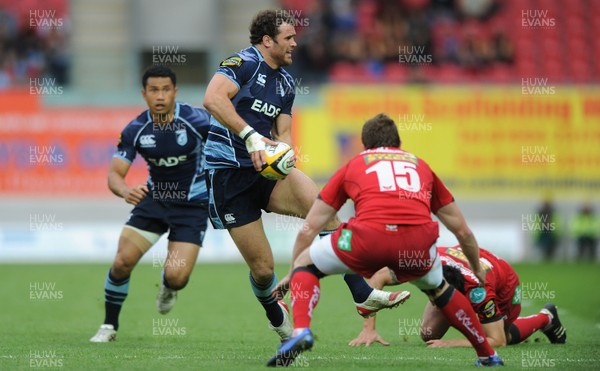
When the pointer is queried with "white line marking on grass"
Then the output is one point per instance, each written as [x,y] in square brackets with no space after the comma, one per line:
[171,357]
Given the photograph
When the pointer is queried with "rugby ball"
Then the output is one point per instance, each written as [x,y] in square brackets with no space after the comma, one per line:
[280,161]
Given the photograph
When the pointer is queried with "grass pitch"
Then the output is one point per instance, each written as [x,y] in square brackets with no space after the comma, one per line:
[49,312]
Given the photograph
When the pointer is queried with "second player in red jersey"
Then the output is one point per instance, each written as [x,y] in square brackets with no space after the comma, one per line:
[497,304]
[500,297]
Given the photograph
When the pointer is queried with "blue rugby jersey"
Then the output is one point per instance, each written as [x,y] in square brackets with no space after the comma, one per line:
[173,151]
[264,94]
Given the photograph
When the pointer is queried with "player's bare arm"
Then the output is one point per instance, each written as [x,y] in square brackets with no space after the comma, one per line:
[494,332]
[318,217]
[282,130]
[369,334]
[451,216]
[117,184]
[217,101]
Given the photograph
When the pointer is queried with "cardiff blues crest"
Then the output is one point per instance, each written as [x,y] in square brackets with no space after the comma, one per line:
[181,137]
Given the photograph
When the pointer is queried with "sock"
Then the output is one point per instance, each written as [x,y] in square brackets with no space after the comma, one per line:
[305,296]
[524,327]
[359,288]
[263,294]
[115,293]
[460,314]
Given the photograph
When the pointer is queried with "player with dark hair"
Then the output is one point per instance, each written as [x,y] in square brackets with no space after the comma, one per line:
[394,194]
[169,135]
[497,304]
[250,98]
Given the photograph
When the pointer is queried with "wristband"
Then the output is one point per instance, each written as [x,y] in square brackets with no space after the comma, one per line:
[252,139]
[246,132]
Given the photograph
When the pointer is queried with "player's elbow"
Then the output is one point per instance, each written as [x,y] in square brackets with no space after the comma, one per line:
[210,102]
[463,233]
[426,335]
[215,101]
[110,181]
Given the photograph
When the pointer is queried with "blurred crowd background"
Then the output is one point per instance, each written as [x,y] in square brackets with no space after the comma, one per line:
[363,40]
[31,52]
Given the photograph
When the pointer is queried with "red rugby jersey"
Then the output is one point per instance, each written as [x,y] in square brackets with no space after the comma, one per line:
[389,186]
[492,301]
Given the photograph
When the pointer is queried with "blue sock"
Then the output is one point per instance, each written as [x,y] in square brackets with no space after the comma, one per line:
[115,293]
[263,294]
[358,286]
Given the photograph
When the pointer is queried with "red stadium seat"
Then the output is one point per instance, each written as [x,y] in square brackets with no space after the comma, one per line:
[554,71]
[580,71]
[396,73]
[500,74]
[346,72]
[527,68]
[450,73]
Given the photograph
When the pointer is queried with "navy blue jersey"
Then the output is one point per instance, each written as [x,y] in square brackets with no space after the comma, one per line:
[173,152]
[264,94]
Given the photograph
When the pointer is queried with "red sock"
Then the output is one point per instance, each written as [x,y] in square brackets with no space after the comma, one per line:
[527,326]
[461,316]
[305,296]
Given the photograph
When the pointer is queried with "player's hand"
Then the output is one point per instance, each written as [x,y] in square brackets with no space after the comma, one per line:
[437,344]
[255,145]
[282,288]
[367,337]
[133,195]
[259,158]
[480,274]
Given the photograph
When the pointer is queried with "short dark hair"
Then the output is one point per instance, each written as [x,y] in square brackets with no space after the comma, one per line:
[267,22]
[380,131]
[158,70]
[454,277]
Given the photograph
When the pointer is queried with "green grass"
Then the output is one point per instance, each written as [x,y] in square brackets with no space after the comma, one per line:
[217,324]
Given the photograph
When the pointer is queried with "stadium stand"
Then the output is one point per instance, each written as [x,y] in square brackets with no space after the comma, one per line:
[33,43]
[449,41]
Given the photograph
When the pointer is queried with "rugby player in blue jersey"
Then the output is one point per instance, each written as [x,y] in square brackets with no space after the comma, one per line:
[170,136]
[250,99]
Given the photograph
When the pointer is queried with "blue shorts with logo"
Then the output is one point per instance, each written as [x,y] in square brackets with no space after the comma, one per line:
[185,221]
[236,196]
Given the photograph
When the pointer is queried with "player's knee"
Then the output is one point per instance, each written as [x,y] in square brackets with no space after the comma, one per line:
[122,266]
[262,275]
[176,280]
[513,335]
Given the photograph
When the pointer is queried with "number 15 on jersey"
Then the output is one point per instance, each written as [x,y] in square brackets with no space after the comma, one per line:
[392,175]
